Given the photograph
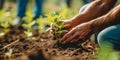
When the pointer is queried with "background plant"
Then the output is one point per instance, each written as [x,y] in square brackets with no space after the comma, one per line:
[107,53]
[9,53]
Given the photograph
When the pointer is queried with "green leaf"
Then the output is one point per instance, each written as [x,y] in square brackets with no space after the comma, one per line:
[5,24]
[28,33]
[9,53]
[2,34]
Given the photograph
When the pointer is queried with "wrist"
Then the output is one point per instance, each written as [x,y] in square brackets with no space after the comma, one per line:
[92,26]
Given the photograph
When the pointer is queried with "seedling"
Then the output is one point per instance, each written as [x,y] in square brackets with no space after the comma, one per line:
[5,26]
[9,53]
[2,34]
[56,27]
[29,35]
[28,25]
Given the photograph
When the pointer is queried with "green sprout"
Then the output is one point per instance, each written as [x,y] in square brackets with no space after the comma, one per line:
[29,35]
[9,53]
[5,26]
[2,34]
[56,26]
[28,25]
[58,30]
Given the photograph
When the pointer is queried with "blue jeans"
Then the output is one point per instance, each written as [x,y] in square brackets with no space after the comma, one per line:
[1,3]
[68,2]
[109,37]
[22,4]
[87,1]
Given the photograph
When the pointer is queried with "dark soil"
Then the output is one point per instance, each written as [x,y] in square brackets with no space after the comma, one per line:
[43,48]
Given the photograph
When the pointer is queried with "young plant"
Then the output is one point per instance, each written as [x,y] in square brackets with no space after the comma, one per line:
[58,30]
[29,35]
[28,25]
[2,34]
[56,27]
[5,26]
[9,53]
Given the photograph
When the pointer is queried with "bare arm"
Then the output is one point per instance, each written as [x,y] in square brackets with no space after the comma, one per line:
[95,9]
[83,31]
[111,18]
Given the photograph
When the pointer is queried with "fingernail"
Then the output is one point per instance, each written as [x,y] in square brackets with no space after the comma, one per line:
[71,41]
[60,41]
[64,42]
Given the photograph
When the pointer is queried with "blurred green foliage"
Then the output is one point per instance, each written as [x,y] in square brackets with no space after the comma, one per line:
[107,53]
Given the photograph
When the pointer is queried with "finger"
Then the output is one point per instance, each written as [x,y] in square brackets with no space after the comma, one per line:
[62,21]
[67,35]
[83,35]
[72,37]
[66,27]
[80,37]
[88,35]
[75,40]
[72,41]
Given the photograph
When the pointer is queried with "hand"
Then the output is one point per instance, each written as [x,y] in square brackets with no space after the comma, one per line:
[78,33]
[68,24]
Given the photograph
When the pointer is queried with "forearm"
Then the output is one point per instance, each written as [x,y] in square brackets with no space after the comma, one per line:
[95,9]
[111,18]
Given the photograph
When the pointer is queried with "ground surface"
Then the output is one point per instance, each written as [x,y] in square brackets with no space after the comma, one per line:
[43,48]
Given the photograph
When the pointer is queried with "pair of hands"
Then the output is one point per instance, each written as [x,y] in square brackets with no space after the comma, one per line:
[76,32]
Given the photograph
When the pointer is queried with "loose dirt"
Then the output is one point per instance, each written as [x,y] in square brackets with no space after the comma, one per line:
[43,48]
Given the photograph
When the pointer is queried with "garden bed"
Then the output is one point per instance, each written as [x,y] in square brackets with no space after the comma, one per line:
[43,48]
